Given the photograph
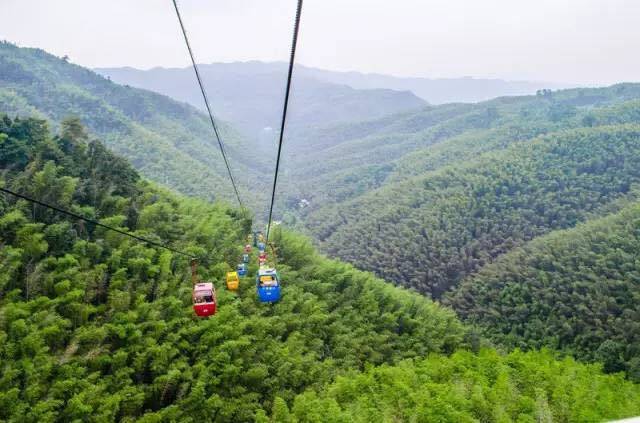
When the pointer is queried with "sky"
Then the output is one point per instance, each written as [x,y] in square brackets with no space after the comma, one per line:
[590,42]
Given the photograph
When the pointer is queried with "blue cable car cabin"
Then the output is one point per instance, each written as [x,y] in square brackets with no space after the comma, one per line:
[261,247]
[268,285]
[242,269]
[245,258]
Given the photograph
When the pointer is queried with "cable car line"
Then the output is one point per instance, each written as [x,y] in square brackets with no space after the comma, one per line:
[206,103]
[95,222]
[294,43]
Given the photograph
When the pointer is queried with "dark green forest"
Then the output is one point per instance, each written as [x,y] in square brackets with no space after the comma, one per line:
[97,327]
[431,231]
[575,290]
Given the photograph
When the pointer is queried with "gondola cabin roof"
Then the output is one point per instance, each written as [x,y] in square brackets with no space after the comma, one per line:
[203,286]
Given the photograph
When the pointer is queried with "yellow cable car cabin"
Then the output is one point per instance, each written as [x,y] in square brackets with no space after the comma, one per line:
[232,281]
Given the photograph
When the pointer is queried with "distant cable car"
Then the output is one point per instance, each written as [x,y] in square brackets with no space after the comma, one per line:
[247,248]
[242,269]
[232,281]
[268,285]
[262,258]
[261,247]
[245,258]
[204,299]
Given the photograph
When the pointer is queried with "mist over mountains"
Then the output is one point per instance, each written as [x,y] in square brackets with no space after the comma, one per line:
[249,94]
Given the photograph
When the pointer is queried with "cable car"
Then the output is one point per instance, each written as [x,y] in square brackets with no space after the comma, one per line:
[204,299]
[261,247]
[262,257]
[268,285]
[242,269]
[245,258]
[232,281]
[247,248]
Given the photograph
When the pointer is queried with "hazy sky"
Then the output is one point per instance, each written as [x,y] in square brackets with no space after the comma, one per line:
[580,41]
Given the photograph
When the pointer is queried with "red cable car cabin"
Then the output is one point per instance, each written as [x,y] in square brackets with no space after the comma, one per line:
[204,299]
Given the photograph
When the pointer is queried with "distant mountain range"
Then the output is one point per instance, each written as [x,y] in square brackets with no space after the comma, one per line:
[436,90]
[250,94]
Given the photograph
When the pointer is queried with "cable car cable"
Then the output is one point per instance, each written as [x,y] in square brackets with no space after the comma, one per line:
[294,43]
[206,103]
[94,222]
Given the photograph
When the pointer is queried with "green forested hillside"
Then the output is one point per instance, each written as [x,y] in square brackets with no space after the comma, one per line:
[96,327]
[167,141]
[430,231]
[575,290]
[93,324]
[344,159]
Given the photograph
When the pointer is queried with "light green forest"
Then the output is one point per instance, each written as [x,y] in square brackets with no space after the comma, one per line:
[97,327]
[502,240]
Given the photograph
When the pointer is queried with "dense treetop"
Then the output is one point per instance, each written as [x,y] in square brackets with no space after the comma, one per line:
[430,231]
[575,290]
[96,324]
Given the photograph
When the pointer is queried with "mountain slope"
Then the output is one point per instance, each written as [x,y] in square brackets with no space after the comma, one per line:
[349,160]
[101,326]
[167,141]
[250,95]
[404,144]
[96,327]
[575,290]
[431,230]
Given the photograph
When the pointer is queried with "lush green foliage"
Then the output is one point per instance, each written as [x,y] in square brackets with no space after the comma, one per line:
[94,324]
[389,150]
[575,290]
[487,387]
[431,231]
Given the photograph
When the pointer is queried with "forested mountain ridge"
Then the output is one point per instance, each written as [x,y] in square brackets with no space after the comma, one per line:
[167,141]
[575,290]
[391,149]
[97,327]
[432,230]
